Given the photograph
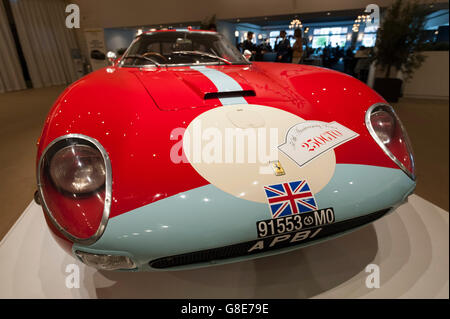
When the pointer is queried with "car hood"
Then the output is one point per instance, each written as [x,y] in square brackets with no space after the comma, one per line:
[188,87]
[133,113]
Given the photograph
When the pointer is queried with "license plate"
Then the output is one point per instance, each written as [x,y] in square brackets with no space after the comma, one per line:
[294,223]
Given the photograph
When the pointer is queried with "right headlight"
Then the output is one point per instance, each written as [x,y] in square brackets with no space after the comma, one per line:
[387,130]
[75,184]
[78,169]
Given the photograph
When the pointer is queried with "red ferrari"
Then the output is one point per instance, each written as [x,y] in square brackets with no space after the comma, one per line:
[185,154]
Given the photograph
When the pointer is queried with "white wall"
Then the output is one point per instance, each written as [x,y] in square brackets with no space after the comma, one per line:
[118,38]
[431,80]
[227,29]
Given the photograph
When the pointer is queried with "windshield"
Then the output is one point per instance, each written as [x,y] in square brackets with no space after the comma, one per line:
[175,48]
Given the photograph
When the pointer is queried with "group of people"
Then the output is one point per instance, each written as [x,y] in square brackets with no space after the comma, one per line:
[331,55]
[284,52]
[354,64]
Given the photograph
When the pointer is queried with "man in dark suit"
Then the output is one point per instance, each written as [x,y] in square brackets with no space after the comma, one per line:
[283,48]
[249,45]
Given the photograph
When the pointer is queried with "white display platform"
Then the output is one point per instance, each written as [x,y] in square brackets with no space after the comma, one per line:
[410,246]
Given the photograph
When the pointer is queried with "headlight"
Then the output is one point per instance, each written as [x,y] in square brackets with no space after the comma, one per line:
[106,262]
[387,130]
[384,125]
[75,183]
[78,169]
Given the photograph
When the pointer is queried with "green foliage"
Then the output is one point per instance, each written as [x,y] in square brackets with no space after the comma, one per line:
[399,38]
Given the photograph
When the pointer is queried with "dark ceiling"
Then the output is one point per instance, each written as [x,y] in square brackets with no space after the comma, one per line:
[306,18]
[316,17]
[331,16]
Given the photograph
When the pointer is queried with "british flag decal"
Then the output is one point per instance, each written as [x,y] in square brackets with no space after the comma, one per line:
[290,198]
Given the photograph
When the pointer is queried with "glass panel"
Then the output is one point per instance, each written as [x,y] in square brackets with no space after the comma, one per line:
[319,41]
[274,34]
[369,40]
[338,40]
[182,48]
[373,28]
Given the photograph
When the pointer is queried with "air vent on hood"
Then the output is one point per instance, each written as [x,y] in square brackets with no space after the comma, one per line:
[218,95]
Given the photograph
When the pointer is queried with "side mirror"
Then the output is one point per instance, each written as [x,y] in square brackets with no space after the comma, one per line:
[111,56]
[247,55]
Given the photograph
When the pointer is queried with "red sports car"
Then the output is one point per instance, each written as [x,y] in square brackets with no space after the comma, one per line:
[184,154]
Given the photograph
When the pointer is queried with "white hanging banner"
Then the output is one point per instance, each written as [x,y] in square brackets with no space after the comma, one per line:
[95,39]
[307,140]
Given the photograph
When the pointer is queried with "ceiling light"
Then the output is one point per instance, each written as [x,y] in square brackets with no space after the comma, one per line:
[295,23]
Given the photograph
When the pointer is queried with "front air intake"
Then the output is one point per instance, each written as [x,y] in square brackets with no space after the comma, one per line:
[242,249]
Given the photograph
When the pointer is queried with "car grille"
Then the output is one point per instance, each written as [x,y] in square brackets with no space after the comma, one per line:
[241,249]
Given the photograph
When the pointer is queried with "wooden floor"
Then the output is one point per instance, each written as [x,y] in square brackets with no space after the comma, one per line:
[427,124]
[23,113]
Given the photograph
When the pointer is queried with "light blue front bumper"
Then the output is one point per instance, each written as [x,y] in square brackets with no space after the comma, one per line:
[206,217]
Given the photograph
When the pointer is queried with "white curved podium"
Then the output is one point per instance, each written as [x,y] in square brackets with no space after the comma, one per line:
[410,246]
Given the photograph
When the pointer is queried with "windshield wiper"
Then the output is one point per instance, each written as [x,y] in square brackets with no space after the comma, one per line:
[138,56]
[208,55]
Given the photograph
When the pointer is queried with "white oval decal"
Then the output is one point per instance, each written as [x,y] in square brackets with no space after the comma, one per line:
[234,147]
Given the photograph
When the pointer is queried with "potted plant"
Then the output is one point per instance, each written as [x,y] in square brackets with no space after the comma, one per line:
[397,47]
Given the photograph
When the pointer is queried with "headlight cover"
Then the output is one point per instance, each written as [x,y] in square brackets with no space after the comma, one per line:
[387,130]
[106,262]
[384,125]
[78,169]
[74,183]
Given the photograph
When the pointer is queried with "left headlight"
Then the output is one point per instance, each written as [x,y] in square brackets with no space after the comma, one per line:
[75,183]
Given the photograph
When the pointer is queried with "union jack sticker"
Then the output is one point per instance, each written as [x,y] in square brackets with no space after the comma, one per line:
[290,198]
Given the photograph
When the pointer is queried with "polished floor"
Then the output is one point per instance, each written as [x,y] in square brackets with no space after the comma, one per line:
[427,124]
[23,113]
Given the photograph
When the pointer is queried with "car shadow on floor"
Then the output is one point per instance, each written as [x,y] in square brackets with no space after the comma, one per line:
[303,273]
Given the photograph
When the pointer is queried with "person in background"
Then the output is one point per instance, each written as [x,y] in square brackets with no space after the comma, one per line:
[363,63]
[265,51]
[265,46]
[349,61]
[283,48]
[327,56]
[297,48]
[249,45]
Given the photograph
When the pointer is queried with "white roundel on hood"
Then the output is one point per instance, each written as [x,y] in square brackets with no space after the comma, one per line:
[234,148]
